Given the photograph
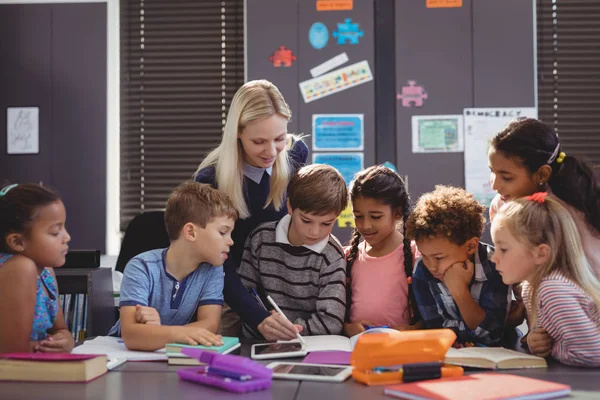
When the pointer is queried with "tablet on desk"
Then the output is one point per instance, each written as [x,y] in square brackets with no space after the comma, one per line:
[265,351]
[310,372]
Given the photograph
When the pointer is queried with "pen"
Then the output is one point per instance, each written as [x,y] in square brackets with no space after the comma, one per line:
[283,315]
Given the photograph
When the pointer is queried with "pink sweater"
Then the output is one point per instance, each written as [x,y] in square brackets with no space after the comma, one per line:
[379,288]
[571,318]
[590,240]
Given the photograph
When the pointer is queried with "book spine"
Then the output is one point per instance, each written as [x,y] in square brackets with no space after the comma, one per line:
[81,300]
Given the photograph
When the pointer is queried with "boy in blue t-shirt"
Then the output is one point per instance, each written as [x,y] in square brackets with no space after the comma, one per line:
[174,295]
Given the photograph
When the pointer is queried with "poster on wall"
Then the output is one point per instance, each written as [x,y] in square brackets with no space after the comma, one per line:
[347,164]
[22,130]
[335,81]
[437,133]
[481,125]
[337,132]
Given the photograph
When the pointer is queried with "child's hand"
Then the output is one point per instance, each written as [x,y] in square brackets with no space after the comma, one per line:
[277,327]
[516,314]
[539,342]
[354,328]
[459,275]
[60,342]
[146,315]
[196,336]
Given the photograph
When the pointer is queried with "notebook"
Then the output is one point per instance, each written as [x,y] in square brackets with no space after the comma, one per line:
[336,342]
[228,343]
[486,386]
[493,358]
[51,367]
[173,351]
[114,347]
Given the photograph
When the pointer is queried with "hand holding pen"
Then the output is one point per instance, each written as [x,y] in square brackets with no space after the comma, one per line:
[297,333]
[276,326]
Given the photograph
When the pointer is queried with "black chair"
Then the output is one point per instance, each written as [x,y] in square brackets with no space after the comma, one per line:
[146,231]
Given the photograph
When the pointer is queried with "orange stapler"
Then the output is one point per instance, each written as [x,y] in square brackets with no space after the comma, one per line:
[403,356]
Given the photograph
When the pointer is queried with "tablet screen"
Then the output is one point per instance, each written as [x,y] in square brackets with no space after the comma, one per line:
[277,348]
[307,370]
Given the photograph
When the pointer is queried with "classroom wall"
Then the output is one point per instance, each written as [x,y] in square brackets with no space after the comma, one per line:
[53,56]
[479,55]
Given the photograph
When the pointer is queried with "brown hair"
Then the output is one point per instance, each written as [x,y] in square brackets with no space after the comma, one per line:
[198,203]
[448,212]
[18,208]
[533,223]
[318,189]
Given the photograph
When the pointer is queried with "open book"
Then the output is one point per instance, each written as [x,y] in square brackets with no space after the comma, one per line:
[493,358]
[335,342]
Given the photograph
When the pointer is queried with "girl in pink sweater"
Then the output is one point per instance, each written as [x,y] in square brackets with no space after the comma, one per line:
[379,269]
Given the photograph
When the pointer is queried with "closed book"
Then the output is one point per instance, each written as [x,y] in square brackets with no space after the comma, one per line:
[228,343]
[493,358]
[488,386]
[51,367]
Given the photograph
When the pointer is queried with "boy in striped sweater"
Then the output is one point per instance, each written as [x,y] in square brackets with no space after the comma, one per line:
[537,243]
[297,261]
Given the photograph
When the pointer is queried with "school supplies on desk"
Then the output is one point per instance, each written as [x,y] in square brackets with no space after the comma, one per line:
[51,367]
[383,359]
[493,358]
[176,357]
[480,387]
[227,372]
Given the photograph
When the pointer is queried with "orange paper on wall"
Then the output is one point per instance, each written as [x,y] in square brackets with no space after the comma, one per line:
[334,5]
[444,3]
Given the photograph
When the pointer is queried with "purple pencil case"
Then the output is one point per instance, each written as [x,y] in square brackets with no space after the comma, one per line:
[227,372]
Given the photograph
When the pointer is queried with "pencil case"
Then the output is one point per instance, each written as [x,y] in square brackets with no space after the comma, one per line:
[227,372]
[390,358]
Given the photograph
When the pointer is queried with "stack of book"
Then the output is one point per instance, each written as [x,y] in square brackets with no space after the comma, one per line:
[176,357]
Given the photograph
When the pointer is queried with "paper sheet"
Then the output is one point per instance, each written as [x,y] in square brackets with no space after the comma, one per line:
[481,125]
[115,348]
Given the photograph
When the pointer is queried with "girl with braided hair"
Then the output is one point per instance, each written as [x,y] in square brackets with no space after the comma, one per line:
[379,267]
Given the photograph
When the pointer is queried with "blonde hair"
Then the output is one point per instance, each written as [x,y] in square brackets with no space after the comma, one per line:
[534,223]
[254,101]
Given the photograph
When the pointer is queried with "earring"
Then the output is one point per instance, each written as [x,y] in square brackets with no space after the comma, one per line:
[541,183]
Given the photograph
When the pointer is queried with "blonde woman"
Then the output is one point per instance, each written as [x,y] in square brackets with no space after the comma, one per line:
[253,165]
[538,243]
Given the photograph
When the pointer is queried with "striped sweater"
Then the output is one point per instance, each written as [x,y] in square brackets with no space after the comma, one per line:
[308,286]
[570,317]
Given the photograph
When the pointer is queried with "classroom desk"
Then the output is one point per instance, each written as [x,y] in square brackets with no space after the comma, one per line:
[157,380]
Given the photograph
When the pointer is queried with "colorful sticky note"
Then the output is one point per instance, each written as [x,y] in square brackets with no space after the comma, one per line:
[444,3]
[334,5]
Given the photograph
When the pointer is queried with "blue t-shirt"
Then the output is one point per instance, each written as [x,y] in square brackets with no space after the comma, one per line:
[146,282]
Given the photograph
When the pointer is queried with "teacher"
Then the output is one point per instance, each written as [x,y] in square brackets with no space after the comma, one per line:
[253,165]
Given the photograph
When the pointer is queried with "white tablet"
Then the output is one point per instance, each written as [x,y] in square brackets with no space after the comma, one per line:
[310,372]
[265,351]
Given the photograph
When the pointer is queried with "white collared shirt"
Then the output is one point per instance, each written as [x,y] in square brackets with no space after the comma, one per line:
[281,235]
[255,173]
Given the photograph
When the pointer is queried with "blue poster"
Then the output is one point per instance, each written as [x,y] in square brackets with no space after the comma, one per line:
[318,35]
[347,164]
[334,132]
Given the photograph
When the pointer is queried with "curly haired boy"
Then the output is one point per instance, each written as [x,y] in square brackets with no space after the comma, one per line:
[455,283]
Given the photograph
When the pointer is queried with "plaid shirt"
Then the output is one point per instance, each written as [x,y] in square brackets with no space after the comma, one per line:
[439,310]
